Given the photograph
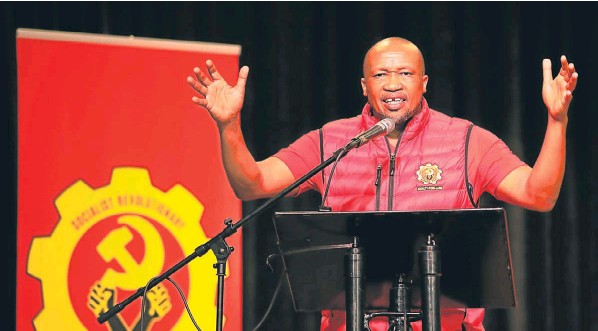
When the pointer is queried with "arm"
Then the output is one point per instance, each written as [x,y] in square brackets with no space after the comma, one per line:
[248,178]
[538,188]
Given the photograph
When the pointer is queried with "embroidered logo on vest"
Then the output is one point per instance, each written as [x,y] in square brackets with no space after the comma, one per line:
[428,174]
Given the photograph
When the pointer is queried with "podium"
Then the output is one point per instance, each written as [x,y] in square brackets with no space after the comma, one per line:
[476,269]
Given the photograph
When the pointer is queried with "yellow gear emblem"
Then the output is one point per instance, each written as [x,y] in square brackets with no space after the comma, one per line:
[429,173]
[134,203]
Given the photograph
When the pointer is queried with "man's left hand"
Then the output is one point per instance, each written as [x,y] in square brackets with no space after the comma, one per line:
[557,93]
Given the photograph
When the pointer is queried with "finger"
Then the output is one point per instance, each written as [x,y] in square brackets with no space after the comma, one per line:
[212,70]
[94,300]
[571,67]
[243,74]
[166,306]
[565,72]
[201,102]
[158,289]
[197,86]
[201,77]
[564,67]
[568,97]
[547,70]
[572,82]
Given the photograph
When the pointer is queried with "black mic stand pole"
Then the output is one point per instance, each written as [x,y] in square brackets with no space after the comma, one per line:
[429,263]
[218,244]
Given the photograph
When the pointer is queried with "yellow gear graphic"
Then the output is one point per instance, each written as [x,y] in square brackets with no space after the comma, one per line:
[130,192]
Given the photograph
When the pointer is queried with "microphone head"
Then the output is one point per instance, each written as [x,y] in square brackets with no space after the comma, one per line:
[388,124]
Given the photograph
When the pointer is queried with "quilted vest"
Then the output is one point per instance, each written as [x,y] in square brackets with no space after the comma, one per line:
[426,171]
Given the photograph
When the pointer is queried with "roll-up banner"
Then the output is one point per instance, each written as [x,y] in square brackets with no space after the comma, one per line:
[119,178]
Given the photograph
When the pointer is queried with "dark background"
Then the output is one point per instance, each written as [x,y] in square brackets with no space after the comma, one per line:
[484,62]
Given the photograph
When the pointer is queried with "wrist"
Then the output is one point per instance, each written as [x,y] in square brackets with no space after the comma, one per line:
[231,125]
[559,121]
[557,124]
[231,130]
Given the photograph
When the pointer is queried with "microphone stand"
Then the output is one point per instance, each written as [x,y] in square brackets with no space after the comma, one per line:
[219,246]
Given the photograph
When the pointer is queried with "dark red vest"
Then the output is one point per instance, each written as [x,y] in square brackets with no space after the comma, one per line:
[427,171]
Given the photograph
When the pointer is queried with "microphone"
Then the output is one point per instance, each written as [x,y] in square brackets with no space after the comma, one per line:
[381,128]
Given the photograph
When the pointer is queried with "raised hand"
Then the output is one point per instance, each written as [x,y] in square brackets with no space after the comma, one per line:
[100,299]
[157,303]
[557,93]
[224,102]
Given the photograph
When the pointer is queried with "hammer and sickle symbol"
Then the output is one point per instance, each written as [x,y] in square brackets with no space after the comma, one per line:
[113,247]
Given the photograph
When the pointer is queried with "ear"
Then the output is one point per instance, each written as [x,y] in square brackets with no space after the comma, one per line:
[425,83]
[364,87]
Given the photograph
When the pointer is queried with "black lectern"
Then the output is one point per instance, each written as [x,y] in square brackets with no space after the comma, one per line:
[473,243]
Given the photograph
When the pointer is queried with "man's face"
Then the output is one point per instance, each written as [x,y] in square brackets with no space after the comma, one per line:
[394,81]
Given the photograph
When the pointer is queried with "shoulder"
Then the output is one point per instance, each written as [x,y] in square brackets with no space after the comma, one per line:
[441,117]
[344,122]
[484,137]
[344,126]
[478,133]
[442,121]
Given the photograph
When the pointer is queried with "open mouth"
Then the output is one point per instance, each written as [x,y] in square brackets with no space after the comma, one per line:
[394,103]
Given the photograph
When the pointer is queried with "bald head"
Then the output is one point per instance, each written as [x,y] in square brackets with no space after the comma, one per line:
[393,44]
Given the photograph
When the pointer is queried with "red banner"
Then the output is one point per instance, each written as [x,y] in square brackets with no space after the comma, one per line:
[119,178]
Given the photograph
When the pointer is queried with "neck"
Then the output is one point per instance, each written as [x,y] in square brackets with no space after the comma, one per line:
[398,131]
[395,136]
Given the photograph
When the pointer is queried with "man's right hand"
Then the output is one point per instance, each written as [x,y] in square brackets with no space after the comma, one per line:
[248,178]
[224,102]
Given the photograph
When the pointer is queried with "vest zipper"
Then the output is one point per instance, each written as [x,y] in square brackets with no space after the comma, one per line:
[391,178]
[377,183]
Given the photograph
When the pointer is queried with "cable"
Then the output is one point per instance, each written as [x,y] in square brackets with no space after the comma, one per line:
[324,207]
[271,303]
[143,301]
[184,302]
[180,293]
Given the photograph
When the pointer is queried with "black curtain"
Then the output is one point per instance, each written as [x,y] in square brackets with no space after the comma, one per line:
[484,62]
